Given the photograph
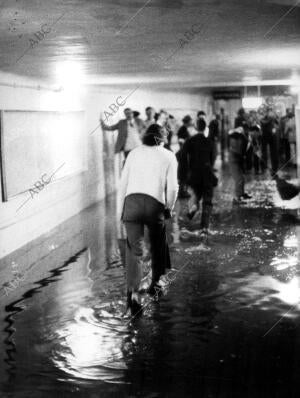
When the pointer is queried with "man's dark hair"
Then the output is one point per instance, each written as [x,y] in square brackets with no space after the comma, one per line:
[136,113]
[201,124]
[127,109]
[187,119]
[241,112]
[148,108]
[201,113]
[153,135]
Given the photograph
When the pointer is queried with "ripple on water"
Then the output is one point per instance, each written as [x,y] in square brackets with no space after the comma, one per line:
[91,346]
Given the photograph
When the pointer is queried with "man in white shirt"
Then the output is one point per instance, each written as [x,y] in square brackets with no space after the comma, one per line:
[147,192]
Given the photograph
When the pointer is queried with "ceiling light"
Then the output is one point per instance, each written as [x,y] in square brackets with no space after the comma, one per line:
[252,102]
[69,74]
[295,90]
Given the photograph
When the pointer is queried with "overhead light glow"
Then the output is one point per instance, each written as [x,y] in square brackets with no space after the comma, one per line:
[295,90]
[69,75]
[252,102]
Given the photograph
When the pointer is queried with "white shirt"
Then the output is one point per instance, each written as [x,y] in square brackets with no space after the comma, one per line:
[133,137]
[151,170]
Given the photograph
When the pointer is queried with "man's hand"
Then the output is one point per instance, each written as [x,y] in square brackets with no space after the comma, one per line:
[102,123]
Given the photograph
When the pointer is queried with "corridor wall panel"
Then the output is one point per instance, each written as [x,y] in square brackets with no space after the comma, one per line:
[40,144]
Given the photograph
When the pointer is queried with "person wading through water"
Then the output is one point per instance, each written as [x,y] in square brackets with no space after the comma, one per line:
[196,171]
[147,194]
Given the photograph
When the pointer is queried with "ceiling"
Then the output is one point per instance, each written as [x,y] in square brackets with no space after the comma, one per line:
[139,41]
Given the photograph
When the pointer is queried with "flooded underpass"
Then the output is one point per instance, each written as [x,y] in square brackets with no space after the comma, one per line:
[227,324]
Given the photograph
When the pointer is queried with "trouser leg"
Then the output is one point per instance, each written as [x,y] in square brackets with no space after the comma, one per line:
[249,157]
[287,150]
[159,249]
[293,153]
[274,154]
[133,255]
[223,145]
[256,163]
[193,203]
[238,176]
[215,153]
[264,150]
[206,207]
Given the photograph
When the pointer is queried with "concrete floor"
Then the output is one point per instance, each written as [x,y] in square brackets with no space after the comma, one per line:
[227,325]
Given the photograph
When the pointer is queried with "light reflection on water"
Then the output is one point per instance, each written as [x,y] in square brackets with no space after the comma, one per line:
[291,241]
[71,330]
[261,289]
[90,349]
[283,263]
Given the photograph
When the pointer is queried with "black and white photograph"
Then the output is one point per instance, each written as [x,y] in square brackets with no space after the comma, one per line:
[149,198]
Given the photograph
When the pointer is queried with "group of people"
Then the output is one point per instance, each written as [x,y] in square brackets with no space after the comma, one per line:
[265,129]
[132,129]
[154,176]
[255,134]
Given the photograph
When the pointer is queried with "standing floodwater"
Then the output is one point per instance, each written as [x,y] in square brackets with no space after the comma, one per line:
[228,325]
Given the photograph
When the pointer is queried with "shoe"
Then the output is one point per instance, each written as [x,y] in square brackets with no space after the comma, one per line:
[163,281]
[204,231]
[246,196]
[154,289]
[191,214]
[134,304]
[238,201]
[202,247]
[204,235]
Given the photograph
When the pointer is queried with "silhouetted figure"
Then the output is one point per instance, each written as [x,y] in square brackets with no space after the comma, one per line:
[255,136]
[241,119]
[288,137]
[269,127]
[238,143]
[196,171]
[224,123]
[183,134]
[213,135]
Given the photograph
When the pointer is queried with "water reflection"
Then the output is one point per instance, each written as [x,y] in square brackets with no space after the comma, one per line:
[67,334]
[90,349]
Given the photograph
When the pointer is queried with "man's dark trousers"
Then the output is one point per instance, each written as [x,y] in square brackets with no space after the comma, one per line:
[142,210]
[204,190]
[271,141]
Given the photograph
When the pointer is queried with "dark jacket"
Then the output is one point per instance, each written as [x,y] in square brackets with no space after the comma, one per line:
[214,130]
[269,126]
[121,126]
[255,134]
[238,143]
[196,160]
[240,121]
[183,133]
